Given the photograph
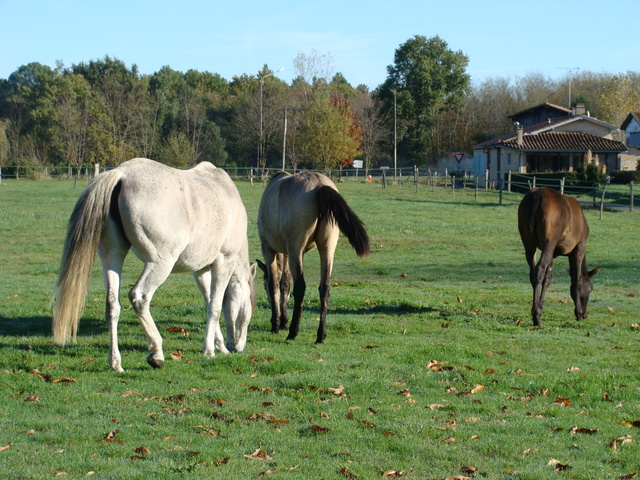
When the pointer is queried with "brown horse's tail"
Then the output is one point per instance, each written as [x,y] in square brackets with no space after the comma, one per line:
[86,225]
[534,203]
[334,207]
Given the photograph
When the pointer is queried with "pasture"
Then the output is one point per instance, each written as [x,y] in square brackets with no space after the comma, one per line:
[431,368]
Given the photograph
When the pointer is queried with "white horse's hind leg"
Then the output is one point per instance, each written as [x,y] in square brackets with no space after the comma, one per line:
[113,249]
[152,277]
[112,282]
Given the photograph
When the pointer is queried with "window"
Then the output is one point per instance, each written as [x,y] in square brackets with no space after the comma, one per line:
[633,139]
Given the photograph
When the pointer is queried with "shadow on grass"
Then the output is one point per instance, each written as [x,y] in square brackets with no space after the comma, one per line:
[41,326]
[387,309]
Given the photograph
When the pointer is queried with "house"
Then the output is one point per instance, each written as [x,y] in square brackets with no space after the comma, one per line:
[549,138]
[631,128]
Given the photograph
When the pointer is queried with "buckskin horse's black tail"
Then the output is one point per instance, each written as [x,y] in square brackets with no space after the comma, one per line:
[335,208]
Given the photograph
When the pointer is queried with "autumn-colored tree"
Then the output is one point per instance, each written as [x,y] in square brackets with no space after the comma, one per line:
[620,95]
[327,137]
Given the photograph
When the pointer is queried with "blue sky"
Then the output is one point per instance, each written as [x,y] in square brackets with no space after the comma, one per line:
[502,38]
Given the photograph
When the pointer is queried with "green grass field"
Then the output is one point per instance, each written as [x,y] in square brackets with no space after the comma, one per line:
[431,368]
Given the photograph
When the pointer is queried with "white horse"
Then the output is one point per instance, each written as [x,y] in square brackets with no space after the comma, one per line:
[173,221]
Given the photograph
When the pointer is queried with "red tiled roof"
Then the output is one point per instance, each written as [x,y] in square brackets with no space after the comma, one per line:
[564,142]
[542,128]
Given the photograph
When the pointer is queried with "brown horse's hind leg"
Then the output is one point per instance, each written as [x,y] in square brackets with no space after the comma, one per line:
[543,277]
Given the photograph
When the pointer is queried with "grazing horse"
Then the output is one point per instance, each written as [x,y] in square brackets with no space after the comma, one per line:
[555,224]
[173,221]
[298,213]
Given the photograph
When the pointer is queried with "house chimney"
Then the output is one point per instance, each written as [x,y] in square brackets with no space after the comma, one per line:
[579,109]
[519,134]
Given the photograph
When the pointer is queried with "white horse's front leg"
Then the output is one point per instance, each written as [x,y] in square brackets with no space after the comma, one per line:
[213,283]
[213,339]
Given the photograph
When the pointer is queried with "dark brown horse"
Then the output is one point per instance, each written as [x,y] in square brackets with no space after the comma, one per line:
[555,224]
[297,214]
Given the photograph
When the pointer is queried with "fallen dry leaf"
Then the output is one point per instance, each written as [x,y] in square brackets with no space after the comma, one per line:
[589,431]
[477,388]
[266,473]
[620,440]
[142,450]
[182,331]
[258,454]
[562,401]
[449,440]
[395,473]
[64,380]
[6,447]
[337,391]
[320,429]
[559,466]
[177,355]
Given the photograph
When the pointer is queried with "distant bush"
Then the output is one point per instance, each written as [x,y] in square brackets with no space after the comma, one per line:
[624,177]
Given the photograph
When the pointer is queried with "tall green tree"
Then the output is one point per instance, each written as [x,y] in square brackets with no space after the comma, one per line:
[119,96]
[72,116]
[26,104]
[427,78]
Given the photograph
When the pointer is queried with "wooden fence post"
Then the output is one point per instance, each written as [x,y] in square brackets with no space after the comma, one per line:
[631,196]
[604,189]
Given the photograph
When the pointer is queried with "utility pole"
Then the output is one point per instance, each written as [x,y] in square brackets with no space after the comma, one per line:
[570,70]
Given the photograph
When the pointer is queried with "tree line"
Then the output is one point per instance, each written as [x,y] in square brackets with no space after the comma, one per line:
[104,112]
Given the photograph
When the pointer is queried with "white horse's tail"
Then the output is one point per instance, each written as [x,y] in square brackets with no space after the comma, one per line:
[86,225]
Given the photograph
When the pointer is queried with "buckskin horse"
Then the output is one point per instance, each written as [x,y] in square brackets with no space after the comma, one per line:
[555,224]
[298,213]
[173,221]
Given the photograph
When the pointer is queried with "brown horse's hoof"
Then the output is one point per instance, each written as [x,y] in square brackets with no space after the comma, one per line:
[155,363]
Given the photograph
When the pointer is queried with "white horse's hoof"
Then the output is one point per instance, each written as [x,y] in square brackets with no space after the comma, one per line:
[117,368]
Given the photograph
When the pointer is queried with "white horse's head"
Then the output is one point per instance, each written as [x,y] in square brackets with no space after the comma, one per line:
[239,305]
